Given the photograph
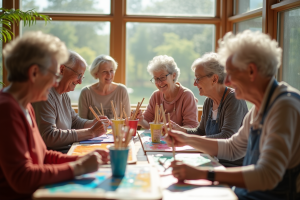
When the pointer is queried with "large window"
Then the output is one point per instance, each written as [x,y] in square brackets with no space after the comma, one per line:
[134,31]
[289,37]
[184,42]
[89,39]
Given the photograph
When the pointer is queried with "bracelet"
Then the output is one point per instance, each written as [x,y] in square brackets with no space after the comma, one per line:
[211,175]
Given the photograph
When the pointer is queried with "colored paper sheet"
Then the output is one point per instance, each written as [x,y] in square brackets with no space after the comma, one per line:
[103,138]
[148,145]
[163,160]
[138,183]
[85,149]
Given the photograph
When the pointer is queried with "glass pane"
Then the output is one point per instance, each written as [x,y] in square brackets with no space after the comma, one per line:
[89,39]
[289,37]
[67,6]
[1,68]
[252,24]
[171,7]
[243,6]
[184,42]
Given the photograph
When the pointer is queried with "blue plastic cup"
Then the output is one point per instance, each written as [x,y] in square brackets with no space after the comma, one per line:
[118,160]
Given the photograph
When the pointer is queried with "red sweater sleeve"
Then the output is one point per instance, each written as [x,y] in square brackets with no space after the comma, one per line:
[54,157]
[22,153]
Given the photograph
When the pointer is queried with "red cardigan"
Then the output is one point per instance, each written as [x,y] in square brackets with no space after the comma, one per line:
[25,163]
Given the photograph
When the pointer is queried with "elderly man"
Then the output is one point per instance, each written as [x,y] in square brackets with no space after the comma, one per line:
[269,137]
[58,123]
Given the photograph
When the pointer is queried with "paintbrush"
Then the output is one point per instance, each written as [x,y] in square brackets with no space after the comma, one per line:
[170,126]
[163,164]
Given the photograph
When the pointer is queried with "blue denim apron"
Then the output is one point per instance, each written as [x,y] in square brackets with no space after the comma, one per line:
[286,188]
[212,126]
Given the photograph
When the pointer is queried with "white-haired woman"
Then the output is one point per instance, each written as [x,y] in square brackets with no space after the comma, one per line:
[269,137]
[33,68]
[103,68]
[177,100]
[222,114]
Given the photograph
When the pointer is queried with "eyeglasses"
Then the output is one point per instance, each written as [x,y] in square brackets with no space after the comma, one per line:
[58,76]
[80,76]
[161,79]
[198,79]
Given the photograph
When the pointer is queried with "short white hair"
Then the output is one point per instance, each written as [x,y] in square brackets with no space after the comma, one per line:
[94,68]
[30,49]
[73,59]
[251,47]
[163,62]
[211,65]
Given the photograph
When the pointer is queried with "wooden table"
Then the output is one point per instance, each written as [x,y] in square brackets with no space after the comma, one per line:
[169,186]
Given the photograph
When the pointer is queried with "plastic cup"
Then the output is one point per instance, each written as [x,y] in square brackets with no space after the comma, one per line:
[133,125]
[156,132]
[117,125]
[118,160]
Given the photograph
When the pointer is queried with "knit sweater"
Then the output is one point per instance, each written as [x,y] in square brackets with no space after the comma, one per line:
[183,109]
[25,163]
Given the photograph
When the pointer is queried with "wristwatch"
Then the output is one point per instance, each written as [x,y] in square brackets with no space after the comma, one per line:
[211,175]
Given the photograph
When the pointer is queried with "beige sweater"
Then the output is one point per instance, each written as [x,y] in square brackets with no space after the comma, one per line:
[89,98]
[279,143]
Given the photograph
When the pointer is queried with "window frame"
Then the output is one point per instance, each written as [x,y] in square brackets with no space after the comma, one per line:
[223,21]
[118,19]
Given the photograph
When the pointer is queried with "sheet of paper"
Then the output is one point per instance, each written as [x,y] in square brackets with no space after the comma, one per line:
[162,160]
[148,145]
[103,138]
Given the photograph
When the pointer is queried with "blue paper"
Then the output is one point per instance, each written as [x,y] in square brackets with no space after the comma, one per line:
[101,139]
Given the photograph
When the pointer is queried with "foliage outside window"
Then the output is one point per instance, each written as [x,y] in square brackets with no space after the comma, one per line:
[184,42]
[289,37]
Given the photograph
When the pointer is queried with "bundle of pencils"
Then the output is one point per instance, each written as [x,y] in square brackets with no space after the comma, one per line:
[122,111]
[133,117]
[122,139]
[96,116]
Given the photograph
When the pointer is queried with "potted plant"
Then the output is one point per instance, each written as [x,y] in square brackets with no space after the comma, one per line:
[9,16]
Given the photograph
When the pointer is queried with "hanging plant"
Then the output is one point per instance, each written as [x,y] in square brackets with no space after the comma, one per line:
[9,16]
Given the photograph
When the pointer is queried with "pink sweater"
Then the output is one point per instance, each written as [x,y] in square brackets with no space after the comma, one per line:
[183,109]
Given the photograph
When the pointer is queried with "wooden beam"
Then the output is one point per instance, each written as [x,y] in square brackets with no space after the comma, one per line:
[118,38]
[246,16]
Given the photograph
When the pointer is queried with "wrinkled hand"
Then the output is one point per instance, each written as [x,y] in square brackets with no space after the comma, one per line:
[178,137]
[99,128]
[183,171]
[174,126]
[139,116]
[88,163]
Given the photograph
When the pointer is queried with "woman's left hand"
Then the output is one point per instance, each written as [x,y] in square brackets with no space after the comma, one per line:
[183,171]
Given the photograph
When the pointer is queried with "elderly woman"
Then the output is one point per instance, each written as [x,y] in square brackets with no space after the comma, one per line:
[33,65]
[103,68]
[223,114]
[177,100]
[269,137]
